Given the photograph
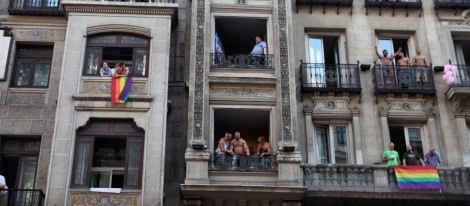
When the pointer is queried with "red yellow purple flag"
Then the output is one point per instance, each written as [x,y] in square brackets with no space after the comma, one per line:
[120,87]
[417,177]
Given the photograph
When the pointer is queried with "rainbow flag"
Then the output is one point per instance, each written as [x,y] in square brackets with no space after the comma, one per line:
[417,177]
[120,87]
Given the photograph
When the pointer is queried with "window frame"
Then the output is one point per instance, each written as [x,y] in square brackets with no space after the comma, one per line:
[109,134]
[331,140]
[422,138]
[34,57]
[117,44]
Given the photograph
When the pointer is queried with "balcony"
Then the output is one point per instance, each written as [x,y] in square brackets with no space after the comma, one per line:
[36,7]
[406,4]
[451,4]
[330,77]
[378,183]
[324,3]
[410,79]
[242,163]
[25,197]
[241,61]
[461,85]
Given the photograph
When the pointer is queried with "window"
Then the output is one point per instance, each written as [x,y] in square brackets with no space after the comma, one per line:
[462,51]
[331,144]
[238,34]
[392,45]
[322,51]
[108,154]
[401,136]
[32,66]
[114,48]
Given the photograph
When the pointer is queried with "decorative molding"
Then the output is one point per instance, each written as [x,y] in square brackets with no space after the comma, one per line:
[241,2]
[199,72]
[50,35]
[406,106]
[27,98]
[118,28]
[119,8]
[94,199]
[242,92]
[6,31]
[284,67]
[100,87]
[458,105]
[464,20]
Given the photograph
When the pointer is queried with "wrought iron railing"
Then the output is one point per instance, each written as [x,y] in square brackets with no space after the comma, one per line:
[371,178]
[241,61]
[339,77]
[407,4]
[22,197]
[452,3]
[36,7]
[410,79]
[137,1]
[391,2]
[462,76]
[242,163]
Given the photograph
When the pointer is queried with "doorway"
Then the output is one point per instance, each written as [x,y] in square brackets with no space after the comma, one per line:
[397,136]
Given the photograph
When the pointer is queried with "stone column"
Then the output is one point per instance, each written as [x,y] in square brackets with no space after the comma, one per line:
[357,136]
[462,131]
[289,171]
[433,132]
[311,153]
[385,130]
[197,167]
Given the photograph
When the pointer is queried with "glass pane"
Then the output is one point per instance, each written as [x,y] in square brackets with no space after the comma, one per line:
[22,50]
[109,152]
[52,3]
[322,145]
[133,40]
[45,50]
[32,145]
[140,60]
[134,161]
[98,127]
[123,127]
[111,39]
[23,71]
[385,44]
[10,145]
[101,179]
[41,77]
[82,160]
[92,66]
[341,144]
[316,50]
[414,134]
[28,172]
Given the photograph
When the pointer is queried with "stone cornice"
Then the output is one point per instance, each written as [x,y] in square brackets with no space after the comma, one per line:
[120,8]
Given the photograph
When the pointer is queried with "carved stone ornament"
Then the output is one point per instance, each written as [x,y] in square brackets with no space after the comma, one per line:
[405,106]
[241,2]
[330,104]
[458,105]
[465,21]
[242,92]
[199,70]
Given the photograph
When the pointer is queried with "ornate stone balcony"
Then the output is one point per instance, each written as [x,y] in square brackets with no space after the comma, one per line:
[411,79]
[379,182]
[330,77]
[36,7]
[242,163]
[241,61]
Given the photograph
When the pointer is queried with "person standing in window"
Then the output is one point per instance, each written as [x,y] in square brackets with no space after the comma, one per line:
[420,62]
[391,156]
[121,71]
[264,152]
[3,191]
[432,158]
[411,158]
[386,62]
[105,71]
[259,50]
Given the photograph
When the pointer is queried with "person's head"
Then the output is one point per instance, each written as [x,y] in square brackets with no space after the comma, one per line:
[400,54]
[391,146]
[116,65]
[432,150]
[385,53]
[227,136]
[105,65]
[408,148]
[258,39]
[418,51]
[237,135]
[261,139]
[121,64]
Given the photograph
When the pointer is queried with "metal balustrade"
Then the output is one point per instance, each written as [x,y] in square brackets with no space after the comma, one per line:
[242,163]
[330,77]
[241,61]
[462,76]
[23,197]
[405,79]
[36,7]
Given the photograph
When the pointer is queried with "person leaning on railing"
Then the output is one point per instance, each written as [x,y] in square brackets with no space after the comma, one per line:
[3,191]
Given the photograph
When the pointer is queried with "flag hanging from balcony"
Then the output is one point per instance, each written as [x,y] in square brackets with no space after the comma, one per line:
[219,53]
[120,87]
[417,177]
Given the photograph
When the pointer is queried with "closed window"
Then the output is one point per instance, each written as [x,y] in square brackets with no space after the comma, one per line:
[115,48]
[108,154]
[331,144]
[32,66]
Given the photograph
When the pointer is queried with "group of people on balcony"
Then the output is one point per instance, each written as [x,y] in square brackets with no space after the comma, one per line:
[119,70]
[391,157]
[388,69]
[237,146]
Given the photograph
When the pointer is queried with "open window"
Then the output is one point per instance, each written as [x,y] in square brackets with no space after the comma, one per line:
[237,35]
[130,49]
[401,136]
[392,45]
[331,144]
[462,51]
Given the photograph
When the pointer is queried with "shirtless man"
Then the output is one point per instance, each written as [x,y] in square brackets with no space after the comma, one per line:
[403,62]
[238,144]
[264,149]
[224,145]
[420,61]
[121,71]
[387,62]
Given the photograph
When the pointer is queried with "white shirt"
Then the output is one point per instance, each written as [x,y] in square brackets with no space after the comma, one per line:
[2,182]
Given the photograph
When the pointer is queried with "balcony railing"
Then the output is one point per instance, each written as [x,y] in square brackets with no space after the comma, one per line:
[461,4]
[36,7]
[241,61]
[406,4]
[330,77]
[378,179]
[408,79]
[242,163]
[23,197]
[324,3]
[462,76]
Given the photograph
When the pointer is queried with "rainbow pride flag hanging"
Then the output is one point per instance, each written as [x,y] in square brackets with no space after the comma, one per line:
[417,177]
[120,87]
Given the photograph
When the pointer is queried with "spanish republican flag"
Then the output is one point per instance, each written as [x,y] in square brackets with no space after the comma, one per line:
[120,87]
[417,177]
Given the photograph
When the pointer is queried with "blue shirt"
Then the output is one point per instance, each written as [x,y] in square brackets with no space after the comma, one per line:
[432,160]
[258,49]
[107,72]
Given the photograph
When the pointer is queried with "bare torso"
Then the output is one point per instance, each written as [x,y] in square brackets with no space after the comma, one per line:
[385,61]
[419,60]
[404,61]
[238,145]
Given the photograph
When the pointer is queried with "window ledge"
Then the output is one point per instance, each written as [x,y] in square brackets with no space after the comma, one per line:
[107,97]
[87,190]
[28,90]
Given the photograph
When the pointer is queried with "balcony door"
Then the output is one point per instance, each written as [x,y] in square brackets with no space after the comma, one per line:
[401,136]
[323,55]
